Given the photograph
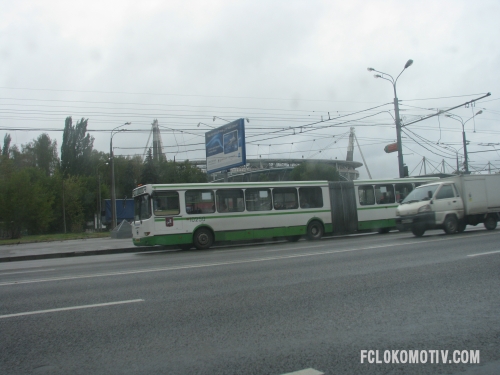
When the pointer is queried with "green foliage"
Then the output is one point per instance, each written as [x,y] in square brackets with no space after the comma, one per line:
[127,175]
[42,153]
[76,149]
[73,191]
[150,173]
[314,172]
[172,172]
[39,193]
[26,202]
[6,145]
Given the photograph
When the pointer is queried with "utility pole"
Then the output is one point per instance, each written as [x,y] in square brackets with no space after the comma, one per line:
[112,160]
[396,111]
[64,207]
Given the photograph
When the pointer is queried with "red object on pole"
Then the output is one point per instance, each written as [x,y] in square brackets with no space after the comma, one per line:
[391,148]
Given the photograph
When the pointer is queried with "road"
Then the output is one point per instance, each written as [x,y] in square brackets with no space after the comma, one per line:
[268,308]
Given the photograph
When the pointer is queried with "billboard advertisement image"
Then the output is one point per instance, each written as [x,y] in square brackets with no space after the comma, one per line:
[225,146]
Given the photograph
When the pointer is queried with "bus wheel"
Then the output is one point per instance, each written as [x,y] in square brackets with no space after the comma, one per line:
[450,224]
[418,230]
[490,223]
[292,238]
[203,239]
[314,230]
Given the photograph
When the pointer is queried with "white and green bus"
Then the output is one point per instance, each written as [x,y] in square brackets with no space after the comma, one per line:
[198,215]
[377,201]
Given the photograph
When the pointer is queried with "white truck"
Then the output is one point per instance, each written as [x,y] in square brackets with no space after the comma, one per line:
[451,204]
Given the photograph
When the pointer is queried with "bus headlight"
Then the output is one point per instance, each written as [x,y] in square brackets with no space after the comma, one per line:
[425,208]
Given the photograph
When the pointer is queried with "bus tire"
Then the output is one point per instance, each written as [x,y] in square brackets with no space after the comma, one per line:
[450,224]
[203,238]
[292,238]
[490,223]
[418,229]
[315,230]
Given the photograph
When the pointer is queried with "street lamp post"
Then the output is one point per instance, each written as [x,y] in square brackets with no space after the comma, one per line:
[99,196]
[396,111]
[464,139]
[111,157]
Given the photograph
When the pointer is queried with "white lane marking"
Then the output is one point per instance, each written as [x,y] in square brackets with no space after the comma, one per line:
[70,308]
[203,265]
[491,252]
[13,273]
[307,371]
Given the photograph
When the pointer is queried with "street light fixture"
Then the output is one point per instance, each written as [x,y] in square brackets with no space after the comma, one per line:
[111,157]
[396,111]
[464,140]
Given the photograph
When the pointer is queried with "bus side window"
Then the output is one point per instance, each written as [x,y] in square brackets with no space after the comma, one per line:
[402,190]
[230,200]
[200,201]
[165,203]
[258,199]
[366,195]
[285,198]
[384,193]
[310,197]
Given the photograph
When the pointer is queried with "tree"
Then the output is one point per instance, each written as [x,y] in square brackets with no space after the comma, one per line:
[76,148]
[6,145]
[132,174]
[150,174]
[26,202]
[314,171]
[42,153]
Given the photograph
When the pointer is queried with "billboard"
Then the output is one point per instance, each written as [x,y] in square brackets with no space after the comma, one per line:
[225,146]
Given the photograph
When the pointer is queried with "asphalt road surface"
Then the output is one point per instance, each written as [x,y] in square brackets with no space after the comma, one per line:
[268,308]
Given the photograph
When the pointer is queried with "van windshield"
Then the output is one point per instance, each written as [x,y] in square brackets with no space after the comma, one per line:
[420,194]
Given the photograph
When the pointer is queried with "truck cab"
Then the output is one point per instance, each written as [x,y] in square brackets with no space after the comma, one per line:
[432,206]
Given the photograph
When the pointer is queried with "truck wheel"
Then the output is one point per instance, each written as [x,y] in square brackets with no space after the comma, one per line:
[490,223]
[450,224]
[203,239]
[314,230]
[418,230]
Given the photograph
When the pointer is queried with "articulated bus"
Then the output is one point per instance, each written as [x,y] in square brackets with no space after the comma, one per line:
[198,215]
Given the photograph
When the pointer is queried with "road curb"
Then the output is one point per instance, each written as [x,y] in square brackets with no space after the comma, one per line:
[70,254]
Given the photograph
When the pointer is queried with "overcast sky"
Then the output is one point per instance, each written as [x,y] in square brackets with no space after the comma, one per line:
[281,64]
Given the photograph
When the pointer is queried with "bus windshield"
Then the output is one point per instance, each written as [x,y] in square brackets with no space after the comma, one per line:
[420,194]
[142,207]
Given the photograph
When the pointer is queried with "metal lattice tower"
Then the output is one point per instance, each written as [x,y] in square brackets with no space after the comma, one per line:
[157,146]
[350,146]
